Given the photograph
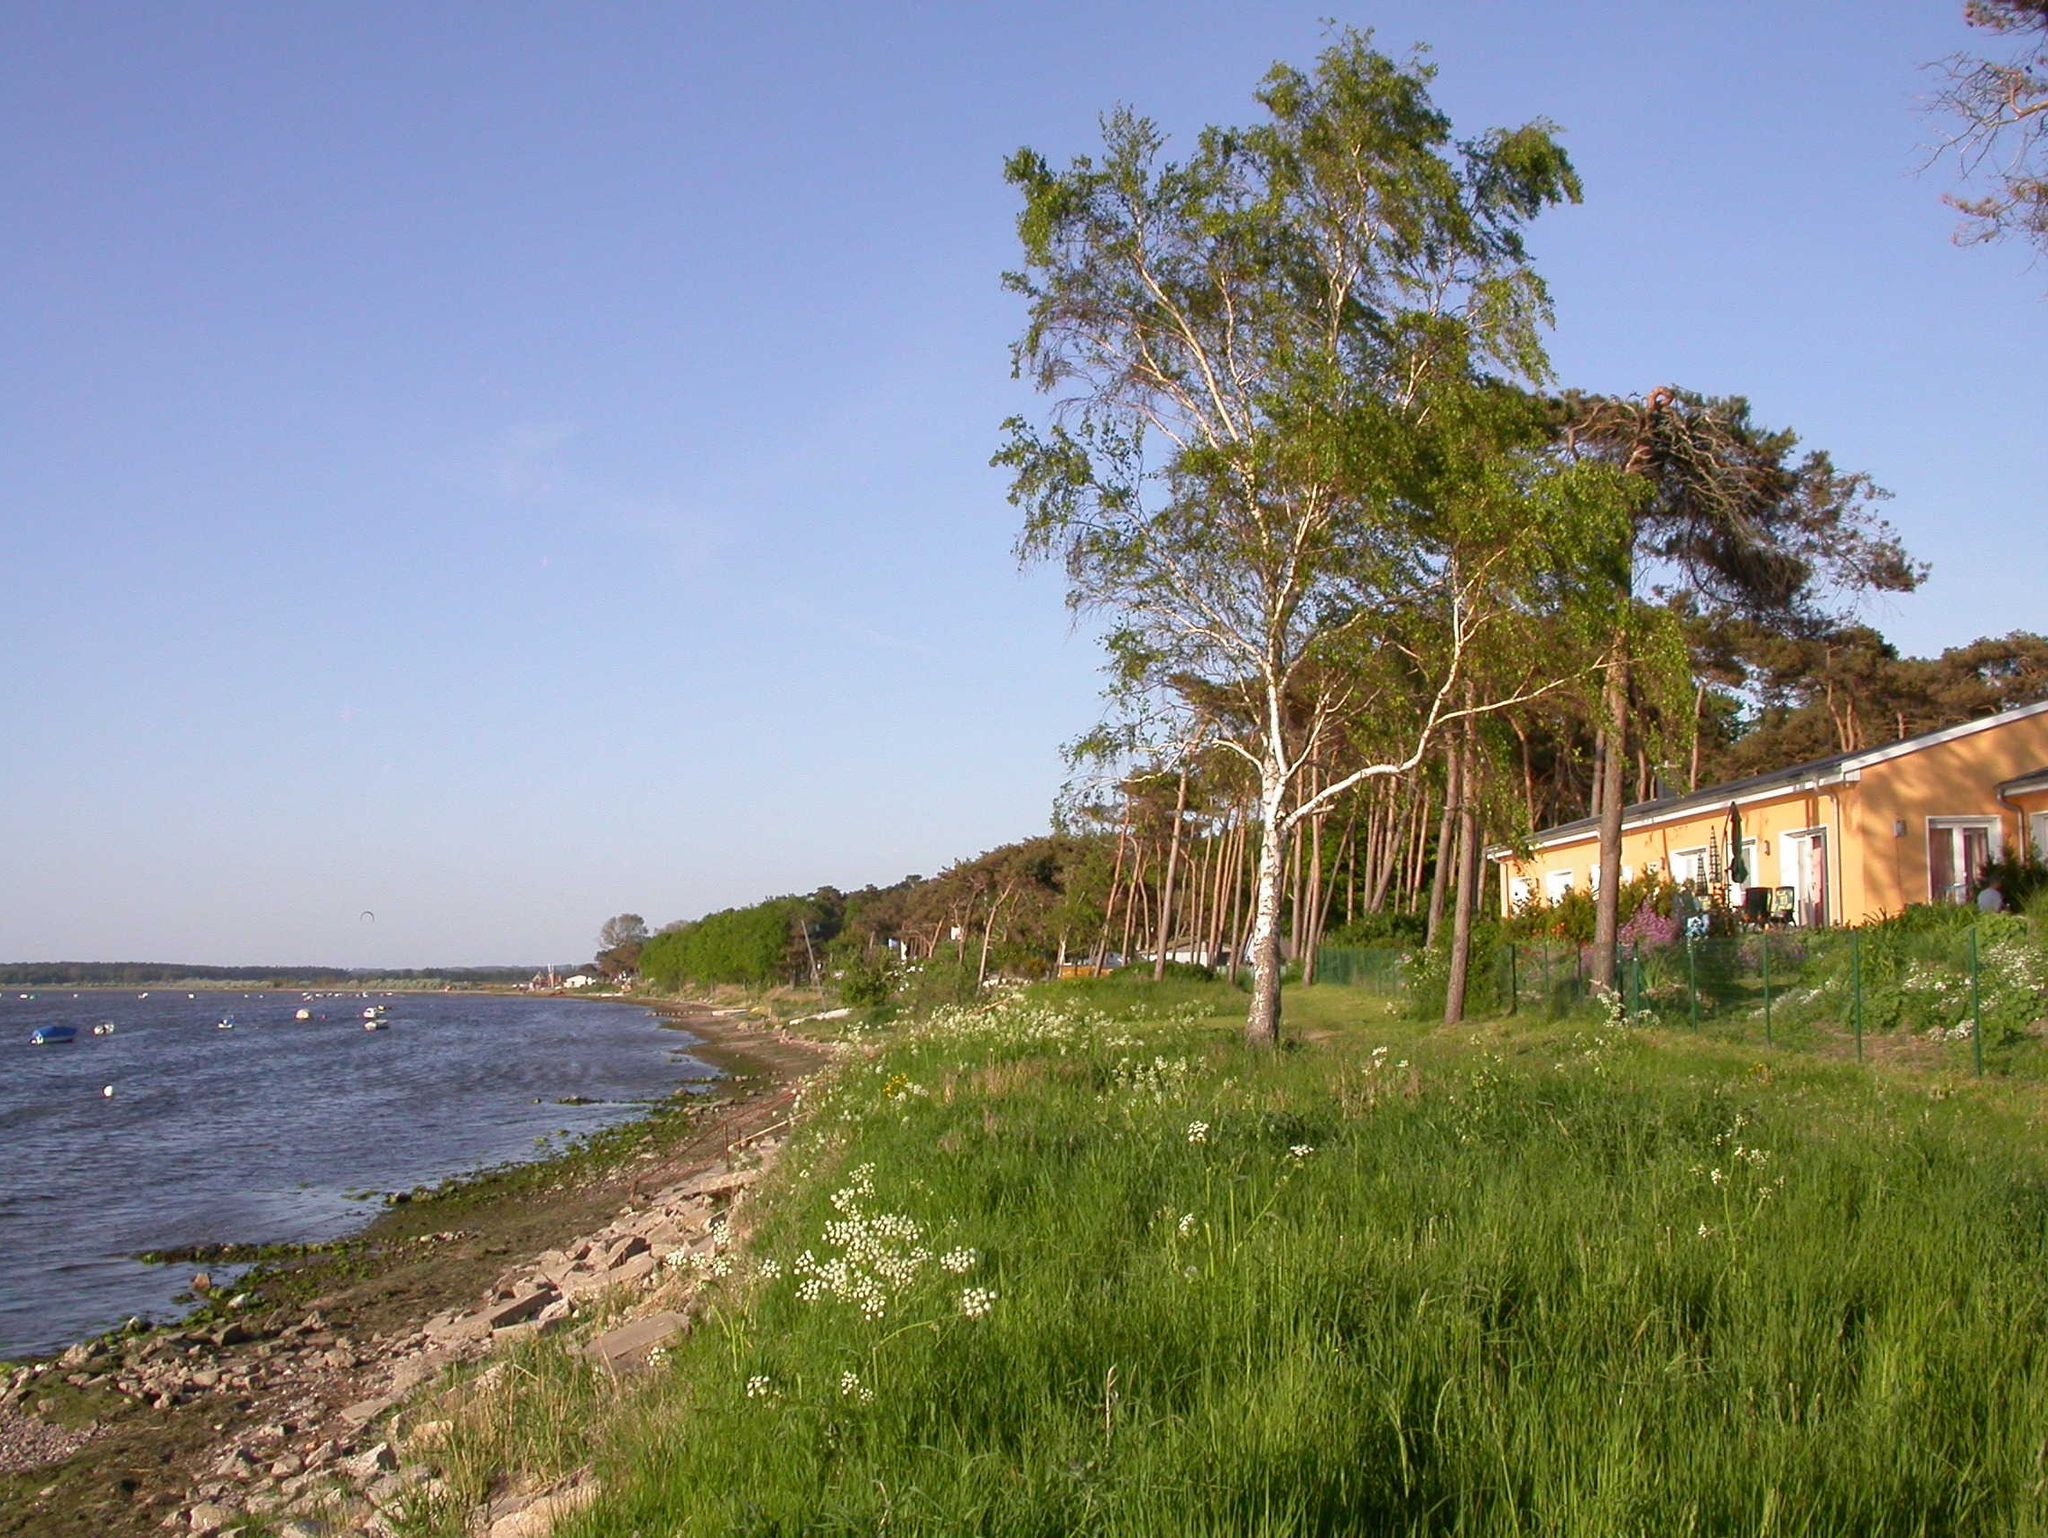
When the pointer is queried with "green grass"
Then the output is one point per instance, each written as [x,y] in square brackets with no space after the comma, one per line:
[1529,1279]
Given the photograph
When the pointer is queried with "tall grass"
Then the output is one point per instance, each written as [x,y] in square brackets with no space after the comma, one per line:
[1044,1270]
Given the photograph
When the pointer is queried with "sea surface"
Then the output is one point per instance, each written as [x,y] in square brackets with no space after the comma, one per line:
[273,1132]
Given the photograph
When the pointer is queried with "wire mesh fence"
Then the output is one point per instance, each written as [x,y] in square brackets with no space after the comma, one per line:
[1933,985]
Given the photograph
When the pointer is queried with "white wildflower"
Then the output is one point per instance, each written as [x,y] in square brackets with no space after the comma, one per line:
[758,1387]
[1300,1152]
[975,1302]
[960,1261]
[1198,1132]
[850,1387]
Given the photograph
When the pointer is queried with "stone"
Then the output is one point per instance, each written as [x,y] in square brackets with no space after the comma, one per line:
[634,1271]
[520,1309]
[712,1183]
[286,1466]
[625,1349]
[624,1248]
[369,1463]
[363,1411]
[538,1518]
[209,1517]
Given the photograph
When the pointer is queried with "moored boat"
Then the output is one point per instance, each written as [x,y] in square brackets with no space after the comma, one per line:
[104,1028]
[50,1035]
[376,1023]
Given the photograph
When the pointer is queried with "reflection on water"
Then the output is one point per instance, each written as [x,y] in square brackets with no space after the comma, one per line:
[263,1134]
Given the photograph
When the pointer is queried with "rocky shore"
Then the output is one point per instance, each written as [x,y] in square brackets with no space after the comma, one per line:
[318,1413]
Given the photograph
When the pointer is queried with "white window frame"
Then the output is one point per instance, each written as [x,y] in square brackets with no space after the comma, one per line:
[1689,865]
[2037,827]
[1557,885]
[1520,890]
[1951,827]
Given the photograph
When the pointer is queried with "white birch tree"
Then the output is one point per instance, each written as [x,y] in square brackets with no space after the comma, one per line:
[1291,461]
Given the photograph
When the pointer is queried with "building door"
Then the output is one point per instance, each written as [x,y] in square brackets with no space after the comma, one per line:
[1803,866]
[1958,849]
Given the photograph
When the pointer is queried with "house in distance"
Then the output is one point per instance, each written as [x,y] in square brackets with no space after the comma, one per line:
[1835,841]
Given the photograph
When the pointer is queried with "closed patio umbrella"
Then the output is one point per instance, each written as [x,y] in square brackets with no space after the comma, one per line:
[1738,868]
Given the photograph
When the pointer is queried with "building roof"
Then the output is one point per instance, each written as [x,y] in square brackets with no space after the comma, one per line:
[1812,774]
[2038,780]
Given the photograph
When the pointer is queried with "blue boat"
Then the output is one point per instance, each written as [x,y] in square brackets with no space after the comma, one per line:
[50,1035]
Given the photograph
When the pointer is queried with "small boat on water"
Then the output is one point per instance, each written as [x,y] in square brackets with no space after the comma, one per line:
[304,1014]
[376,1023]
[227,1022]
[50,1035]
[375,1012]
[104,1028]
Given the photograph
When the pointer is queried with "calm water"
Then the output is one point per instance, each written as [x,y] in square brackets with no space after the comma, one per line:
[260,1134]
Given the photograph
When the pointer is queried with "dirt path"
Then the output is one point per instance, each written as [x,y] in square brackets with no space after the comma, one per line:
[155,1411]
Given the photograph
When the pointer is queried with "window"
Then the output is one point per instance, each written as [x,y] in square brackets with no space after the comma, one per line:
[1519,892]
[1593,878]
[1958,849]
[1556,885]
[1689,866]
[2039,824]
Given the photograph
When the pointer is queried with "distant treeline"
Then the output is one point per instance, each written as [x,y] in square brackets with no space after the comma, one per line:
[144,974]
[757,945]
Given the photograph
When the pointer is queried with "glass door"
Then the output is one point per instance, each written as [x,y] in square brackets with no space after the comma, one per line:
[1803,867]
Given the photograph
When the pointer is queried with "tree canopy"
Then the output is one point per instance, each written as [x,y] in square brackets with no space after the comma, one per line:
[1996,106]
[1292,461]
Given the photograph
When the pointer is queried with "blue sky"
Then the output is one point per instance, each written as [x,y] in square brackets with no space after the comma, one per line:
[503,466]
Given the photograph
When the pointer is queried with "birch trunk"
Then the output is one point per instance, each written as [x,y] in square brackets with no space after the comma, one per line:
[1262,1021]
[1468,862]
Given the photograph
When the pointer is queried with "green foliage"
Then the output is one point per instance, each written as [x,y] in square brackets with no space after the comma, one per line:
[1402,929]
[1176,971]
[2021,877]
[1487,977]
[866,977]
[749,946]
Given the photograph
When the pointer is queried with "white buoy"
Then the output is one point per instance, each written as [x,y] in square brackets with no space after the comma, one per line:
[108,1092]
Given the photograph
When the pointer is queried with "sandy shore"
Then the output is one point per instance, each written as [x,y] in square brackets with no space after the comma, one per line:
[187,1424]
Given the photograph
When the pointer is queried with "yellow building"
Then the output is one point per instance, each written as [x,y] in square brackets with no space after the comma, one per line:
[1839,840]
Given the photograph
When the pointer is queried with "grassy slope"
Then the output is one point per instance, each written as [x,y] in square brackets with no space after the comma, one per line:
[1566,1280]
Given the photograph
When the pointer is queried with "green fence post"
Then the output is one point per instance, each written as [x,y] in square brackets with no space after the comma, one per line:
[1692,982]
[1635,979]
[1547,1000]
[1514,981]
[1976,1009]
[1764,939]
[1856,988]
